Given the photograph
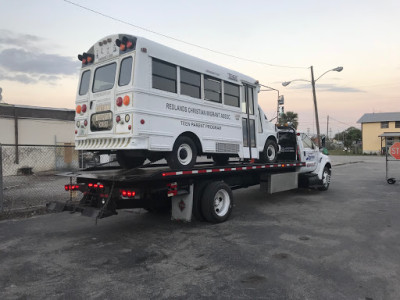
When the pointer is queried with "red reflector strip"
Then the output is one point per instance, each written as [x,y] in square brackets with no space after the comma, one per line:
[232,169]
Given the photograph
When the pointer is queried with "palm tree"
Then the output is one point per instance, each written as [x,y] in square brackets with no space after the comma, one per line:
[289,117]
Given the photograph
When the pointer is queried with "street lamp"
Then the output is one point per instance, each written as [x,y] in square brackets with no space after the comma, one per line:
[279,98]
[286,83]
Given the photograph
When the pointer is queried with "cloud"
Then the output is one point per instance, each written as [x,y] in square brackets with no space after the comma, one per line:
[328,88]
[19,60]
[8,38]
[22,61]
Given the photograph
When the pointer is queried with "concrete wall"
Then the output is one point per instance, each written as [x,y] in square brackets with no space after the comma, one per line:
[37,131]
[7,135]
[370,136]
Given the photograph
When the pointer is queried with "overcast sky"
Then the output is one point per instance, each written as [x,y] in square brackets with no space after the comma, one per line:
[40,40]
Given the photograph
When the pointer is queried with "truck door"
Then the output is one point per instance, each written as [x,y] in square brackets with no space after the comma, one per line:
[309,153]
[249,123]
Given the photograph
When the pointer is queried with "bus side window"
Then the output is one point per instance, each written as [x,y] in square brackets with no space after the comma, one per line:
[125,71]
[164,76]
[231,94]
[212,89]
[85,80]
[190,83]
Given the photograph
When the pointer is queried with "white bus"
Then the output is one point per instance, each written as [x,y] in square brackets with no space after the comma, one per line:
[142,100]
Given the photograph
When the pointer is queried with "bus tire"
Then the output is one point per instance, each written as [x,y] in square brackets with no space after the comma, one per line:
[183,155]
[270,152]
[129,162]
[217,202]
[220,159]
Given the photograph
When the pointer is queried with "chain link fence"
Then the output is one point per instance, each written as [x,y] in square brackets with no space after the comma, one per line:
[28,175]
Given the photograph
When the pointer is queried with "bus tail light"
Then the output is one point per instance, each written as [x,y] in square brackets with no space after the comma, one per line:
[84,108]
[85,123]
[127,118]
[118,119]
[86,58]
[124,43]
[119,101]
[78,109]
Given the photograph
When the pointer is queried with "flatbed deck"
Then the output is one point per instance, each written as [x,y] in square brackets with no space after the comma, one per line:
[164,173]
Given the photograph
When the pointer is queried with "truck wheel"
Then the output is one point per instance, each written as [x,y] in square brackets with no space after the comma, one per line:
[220,159]
[129,162]
[326,179]
[197,195]
[217,202]
[183,155]
[270,152]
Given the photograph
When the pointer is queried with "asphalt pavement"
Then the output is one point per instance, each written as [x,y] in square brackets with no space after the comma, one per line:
[304,244]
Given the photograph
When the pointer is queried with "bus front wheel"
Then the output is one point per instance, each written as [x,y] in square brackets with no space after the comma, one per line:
[183,155]
[270,153]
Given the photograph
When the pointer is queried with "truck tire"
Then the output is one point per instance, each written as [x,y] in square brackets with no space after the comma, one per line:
[197,195]
[220,159]
[129,162]
[183,155]
[217,202]
[326,179]
[270,152]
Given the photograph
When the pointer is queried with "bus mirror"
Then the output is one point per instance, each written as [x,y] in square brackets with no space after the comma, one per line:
[80,57]
[118,42]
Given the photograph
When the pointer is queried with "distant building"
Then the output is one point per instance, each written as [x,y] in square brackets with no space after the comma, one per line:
[376,125]
[29,136]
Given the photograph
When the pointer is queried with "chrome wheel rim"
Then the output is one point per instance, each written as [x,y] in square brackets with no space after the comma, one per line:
[326,178]
[222,201]
[185,154]
[271,153]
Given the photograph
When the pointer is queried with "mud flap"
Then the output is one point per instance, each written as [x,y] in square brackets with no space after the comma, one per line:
[182,205]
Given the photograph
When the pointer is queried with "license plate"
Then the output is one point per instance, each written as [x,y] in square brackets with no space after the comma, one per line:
[101,121]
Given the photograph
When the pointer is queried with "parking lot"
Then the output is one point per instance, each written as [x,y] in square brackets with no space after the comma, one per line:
[302,244]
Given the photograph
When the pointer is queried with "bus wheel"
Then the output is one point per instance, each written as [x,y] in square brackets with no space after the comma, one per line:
[270,153]
[183,155]
[217,202]
[220,159]
[129,162]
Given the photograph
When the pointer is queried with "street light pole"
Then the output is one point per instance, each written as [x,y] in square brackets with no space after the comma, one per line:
[315,108]
[286,83]
[272,89]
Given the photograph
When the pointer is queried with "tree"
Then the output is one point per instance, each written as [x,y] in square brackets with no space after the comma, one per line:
[289,117]
[349,136]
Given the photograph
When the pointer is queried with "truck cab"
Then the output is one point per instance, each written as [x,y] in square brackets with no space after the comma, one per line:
[316,171]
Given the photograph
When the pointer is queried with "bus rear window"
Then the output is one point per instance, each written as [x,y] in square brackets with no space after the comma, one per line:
[104,78]
[85,79]
[125,71]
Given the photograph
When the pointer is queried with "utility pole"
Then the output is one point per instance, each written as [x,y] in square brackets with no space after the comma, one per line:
[327,128]
[315,107]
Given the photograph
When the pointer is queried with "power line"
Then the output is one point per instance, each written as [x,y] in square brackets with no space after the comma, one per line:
[179,40]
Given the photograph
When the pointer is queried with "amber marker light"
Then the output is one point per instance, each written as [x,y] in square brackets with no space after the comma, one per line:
[127,100]
[78,109]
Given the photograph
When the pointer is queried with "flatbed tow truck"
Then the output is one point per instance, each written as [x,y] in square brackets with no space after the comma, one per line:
[205,191]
